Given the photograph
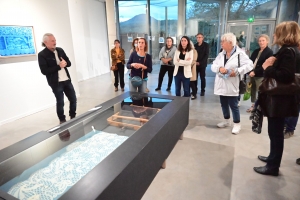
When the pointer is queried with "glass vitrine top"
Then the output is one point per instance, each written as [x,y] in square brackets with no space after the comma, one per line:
[51,167]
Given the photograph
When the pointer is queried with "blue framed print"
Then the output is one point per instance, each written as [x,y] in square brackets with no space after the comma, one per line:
[16,41]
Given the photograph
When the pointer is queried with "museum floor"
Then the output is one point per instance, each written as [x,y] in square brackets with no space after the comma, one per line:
[209,163]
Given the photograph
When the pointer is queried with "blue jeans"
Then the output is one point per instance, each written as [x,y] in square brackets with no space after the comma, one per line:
[232,102]
[180,78]
[141,89]
[291,123]
[59,90]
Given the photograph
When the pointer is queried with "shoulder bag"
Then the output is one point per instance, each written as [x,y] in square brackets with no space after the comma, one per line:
[242,85]
[271,86]
[137,81]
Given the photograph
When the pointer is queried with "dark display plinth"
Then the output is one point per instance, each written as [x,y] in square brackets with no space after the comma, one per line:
[112,151]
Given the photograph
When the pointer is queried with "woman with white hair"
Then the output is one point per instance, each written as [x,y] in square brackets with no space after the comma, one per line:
[230,66]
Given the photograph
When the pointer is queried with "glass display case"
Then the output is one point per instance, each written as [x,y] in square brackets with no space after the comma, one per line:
[96,153]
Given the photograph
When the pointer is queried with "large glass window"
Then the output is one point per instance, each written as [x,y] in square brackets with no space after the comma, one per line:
[259,9]
[203,17]
[133,22]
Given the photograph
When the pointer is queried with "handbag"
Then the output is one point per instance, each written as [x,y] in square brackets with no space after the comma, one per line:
[137,81]
[271,86]
[242,84]
[113,68]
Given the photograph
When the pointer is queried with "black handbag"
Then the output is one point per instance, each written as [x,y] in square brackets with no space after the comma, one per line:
[242,85]
[271,86]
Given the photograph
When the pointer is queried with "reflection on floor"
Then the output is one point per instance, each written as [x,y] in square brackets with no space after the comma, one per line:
[209,163]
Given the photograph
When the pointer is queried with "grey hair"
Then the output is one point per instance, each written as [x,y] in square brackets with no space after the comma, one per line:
[265,36]
[45,38]
[229,37]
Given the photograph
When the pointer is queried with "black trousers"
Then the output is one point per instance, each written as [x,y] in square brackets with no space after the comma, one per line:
[201,72]
[64,87]
[162,72]
[275,129]
[119,73]
[193,86]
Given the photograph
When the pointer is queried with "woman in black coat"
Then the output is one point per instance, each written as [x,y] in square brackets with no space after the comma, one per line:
[258,57]
[281,67]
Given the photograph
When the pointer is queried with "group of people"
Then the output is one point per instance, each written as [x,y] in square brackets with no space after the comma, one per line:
[172,60]
[187,61]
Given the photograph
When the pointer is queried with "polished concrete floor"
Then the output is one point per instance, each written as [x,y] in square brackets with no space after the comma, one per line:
[209,163]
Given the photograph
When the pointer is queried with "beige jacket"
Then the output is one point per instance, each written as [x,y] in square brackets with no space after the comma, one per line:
[194,71]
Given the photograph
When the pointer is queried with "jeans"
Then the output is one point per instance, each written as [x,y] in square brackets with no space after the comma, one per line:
[162,72]
[180,78]
[117,73]
[59,90]
[291,123]
[275,129]
[232,102]
[201,72]
[141,89]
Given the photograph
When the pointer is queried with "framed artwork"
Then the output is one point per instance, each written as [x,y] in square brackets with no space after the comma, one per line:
[130,39]
[161,40]
[17,41]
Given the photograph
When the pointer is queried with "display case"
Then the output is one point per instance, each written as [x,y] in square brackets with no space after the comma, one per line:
[112,151]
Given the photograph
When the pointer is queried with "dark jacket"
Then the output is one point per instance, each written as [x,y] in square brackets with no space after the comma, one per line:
[283,70]
[115,58]
[265,54]
[135,58]
[203,51]
[49,67]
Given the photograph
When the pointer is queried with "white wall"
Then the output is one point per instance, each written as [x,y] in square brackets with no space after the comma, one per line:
[23,89]
[89,30]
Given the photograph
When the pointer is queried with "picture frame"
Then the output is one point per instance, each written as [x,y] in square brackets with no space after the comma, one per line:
[130,39]
[17,41]
[161,40]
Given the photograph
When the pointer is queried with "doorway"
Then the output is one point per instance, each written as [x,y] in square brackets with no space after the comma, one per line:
[248,33]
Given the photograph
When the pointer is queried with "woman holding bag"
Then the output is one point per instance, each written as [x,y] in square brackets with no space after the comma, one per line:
[118,60]
[140,64]
[281,67]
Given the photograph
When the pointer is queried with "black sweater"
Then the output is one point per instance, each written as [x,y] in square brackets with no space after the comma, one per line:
[265,54]
[49,67]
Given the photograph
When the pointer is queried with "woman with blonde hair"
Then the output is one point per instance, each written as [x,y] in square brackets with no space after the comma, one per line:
[282,68]
[258,57]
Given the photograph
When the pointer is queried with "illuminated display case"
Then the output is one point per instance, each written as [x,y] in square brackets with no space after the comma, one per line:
[112,151]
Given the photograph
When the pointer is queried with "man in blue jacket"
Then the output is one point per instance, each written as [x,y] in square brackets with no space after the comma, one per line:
[53,63]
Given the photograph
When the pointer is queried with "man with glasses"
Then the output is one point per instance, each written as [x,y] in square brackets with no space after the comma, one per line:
[202,49]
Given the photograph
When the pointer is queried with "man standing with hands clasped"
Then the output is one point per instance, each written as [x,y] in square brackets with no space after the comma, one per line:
[53,63]
[202,49]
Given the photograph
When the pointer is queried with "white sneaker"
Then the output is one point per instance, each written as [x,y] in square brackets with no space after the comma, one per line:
[224,124]
[236,128]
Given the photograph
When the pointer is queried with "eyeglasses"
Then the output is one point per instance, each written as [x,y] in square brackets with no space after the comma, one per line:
[199,37]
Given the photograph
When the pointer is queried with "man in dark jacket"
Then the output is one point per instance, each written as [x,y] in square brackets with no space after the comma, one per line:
[202,49]
[53,63]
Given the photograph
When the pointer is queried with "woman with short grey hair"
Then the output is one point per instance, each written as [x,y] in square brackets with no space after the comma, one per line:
[231,64]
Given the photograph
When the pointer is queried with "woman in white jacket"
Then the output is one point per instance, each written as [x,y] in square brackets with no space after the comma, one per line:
[183,72]
[227,79]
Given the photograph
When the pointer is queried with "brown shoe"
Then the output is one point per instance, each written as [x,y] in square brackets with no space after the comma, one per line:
[116,89]
[122,89]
